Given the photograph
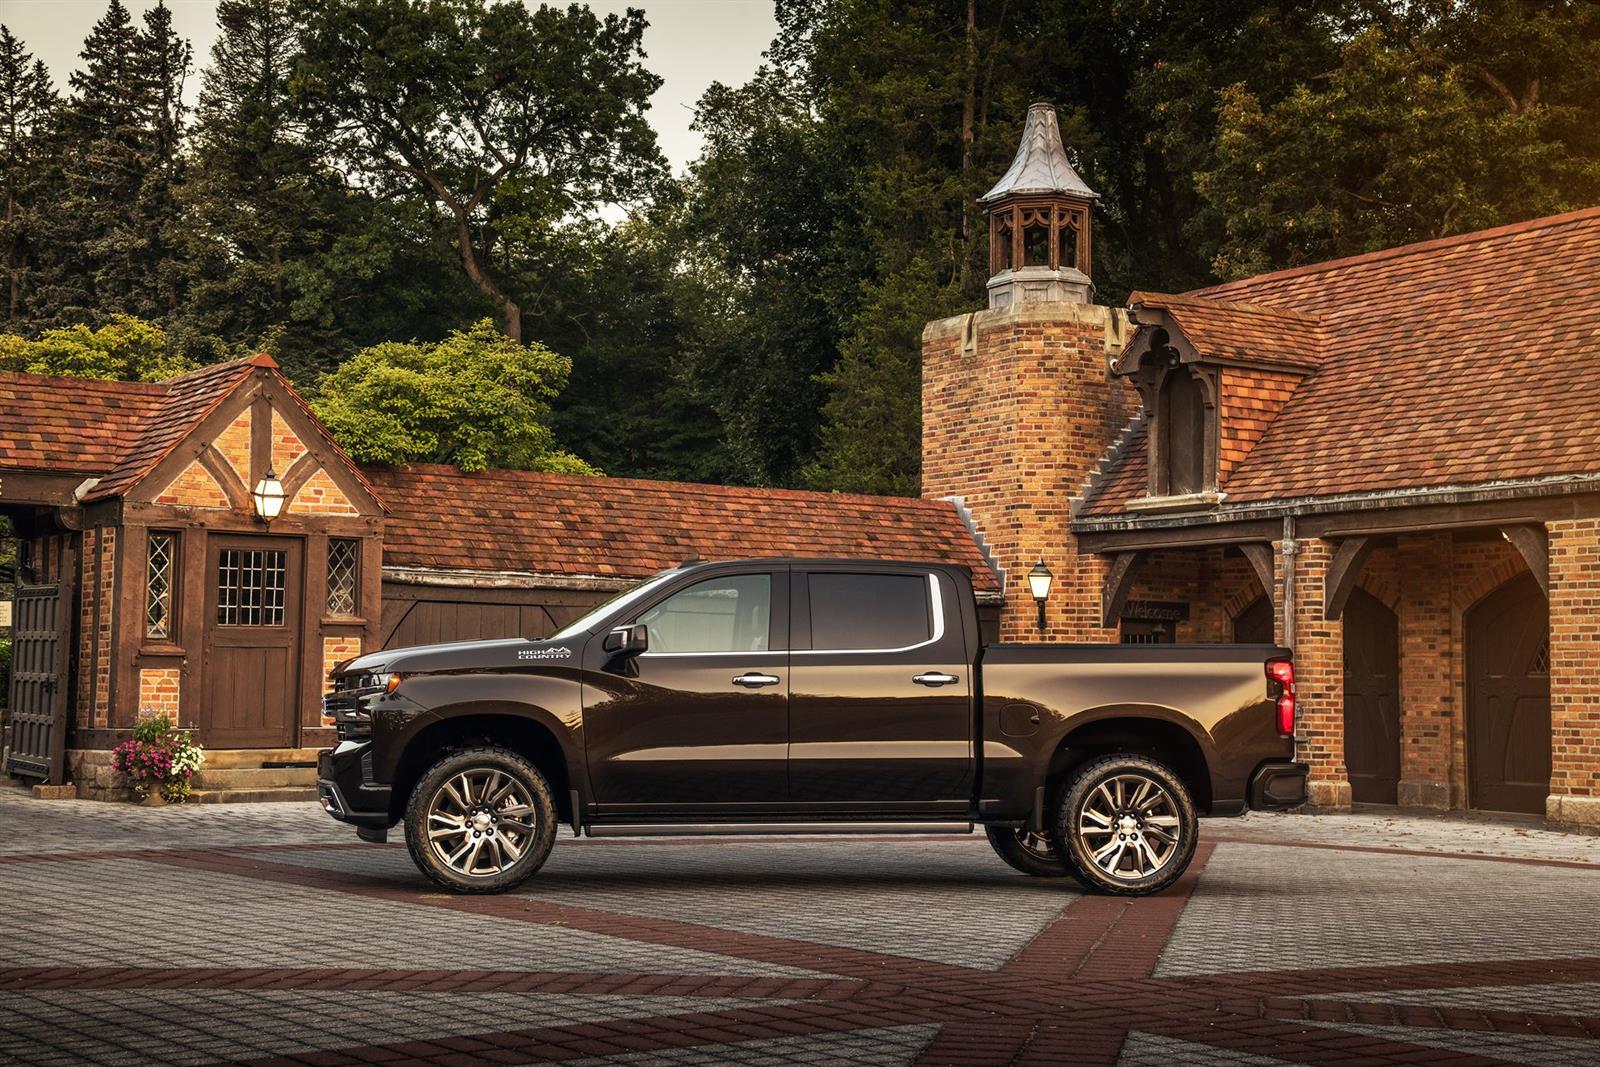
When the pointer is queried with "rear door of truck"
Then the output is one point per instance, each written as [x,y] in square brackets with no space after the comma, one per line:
[880,715]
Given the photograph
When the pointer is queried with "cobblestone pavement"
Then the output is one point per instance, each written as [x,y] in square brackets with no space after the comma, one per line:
[267,934]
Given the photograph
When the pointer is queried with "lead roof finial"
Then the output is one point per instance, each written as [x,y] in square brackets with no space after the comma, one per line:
[1041,166]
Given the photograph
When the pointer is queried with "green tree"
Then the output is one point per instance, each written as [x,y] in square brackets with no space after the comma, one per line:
[476,399]
[125,349]
[1438,119]
[507,121]
[110,234]
[28,106]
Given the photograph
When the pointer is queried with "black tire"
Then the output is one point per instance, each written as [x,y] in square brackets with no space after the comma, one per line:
[1022,850]
[505,813]
[1141,860]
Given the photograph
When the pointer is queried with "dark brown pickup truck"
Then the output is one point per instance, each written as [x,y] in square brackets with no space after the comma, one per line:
[808,696]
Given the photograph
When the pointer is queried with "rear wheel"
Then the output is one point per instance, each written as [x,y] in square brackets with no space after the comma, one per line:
[1128,824]
[1028,851]
[481,820]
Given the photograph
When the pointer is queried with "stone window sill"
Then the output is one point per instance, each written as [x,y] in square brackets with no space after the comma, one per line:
[1185,502]
[161,648]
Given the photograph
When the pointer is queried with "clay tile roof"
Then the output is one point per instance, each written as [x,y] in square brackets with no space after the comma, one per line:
[1236,332]
[575,526]
[1456,362]
[189,399]
[70,425]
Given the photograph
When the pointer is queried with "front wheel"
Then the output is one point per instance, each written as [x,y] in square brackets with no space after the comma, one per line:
[1027,851]
[1128,824]
[481,820]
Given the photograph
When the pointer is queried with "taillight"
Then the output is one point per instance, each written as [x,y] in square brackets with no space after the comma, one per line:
[1280,684]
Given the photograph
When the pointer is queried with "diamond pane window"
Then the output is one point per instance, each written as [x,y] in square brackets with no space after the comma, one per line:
[343,556]
[250,586]
[158,586]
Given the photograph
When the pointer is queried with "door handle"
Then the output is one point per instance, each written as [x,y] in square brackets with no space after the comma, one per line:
[756,681]
[935,679]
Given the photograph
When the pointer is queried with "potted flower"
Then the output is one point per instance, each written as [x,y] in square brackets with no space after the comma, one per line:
[158,761]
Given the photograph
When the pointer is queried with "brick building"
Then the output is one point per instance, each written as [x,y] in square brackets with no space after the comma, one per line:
[1390,462]
[152,580]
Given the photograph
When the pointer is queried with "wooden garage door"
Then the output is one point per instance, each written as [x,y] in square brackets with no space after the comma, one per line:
[414,616]
[1254,625]
[1371,699]
[1508,698]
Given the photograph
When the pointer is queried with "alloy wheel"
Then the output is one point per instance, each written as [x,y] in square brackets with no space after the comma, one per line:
[481,821]
[1129,826]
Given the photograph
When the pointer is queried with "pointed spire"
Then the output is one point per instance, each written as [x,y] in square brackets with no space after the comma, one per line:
[1041,166]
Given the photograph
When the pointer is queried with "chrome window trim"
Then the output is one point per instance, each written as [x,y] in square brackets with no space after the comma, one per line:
[936,602]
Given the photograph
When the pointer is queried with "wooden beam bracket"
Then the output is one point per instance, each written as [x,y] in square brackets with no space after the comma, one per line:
[1343,574]
[1119,583]
[1533,543]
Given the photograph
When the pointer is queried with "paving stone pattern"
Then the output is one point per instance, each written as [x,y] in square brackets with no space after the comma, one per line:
[266,934]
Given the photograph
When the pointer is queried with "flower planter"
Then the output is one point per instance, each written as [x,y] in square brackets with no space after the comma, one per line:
[154,800]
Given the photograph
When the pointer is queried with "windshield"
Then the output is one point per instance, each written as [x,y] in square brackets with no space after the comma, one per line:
[586,622]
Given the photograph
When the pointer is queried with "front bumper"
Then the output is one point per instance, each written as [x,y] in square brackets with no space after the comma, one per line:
[345,787]
[1278,785]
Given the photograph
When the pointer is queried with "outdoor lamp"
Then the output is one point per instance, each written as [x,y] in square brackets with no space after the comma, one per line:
[268,496]
[1039,584]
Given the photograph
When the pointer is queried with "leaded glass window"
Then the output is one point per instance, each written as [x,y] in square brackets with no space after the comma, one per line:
[343,557]
[250,587]
[158,586]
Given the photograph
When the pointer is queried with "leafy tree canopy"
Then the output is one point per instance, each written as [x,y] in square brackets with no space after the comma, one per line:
[476,399]
[125,349]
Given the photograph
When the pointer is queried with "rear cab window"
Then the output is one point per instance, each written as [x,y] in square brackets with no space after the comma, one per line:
[864,611]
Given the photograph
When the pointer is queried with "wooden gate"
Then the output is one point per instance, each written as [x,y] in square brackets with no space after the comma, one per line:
[1508,698]
[41,640]
[1371,699]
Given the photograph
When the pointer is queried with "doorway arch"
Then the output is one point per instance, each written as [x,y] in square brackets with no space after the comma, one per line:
[1508,698]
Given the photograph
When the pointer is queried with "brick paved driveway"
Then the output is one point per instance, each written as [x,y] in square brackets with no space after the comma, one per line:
[265,933]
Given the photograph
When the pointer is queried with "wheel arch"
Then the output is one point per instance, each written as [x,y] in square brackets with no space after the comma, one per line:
[530,732]
[1153,731]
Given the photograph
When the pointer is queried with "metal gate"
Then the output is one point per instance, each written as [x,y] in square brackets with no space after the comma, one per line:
[40,641]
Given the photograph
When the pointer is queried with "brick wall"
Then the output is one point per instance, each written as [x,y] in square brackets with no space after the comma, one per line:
[158,692]
[1428,707]
[1018,407]
[1319,678]
[1575,671]
[320,496]
[105,630]
[194,487]
[88,598]
[234,444]
[286,446]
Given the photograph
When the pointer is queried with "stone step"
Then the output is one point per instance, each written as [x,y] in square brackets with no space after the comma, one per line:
[209,777]
[251,796]
[231,758]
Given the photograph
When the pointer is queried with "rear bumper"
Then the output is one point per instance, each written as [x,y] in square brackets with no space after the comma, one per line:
[345,790]
[1278,785]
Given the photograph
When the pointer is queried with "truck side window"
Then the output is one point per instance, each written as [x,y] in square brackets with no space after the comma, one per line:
[730,614]
[866,611]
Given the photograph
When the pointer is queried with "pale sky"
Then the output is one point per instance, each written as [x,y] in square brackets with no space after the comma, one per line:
[690,44]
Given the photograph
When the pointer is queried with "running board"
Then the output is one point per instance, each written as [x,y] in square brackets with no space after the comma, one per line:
[657,829]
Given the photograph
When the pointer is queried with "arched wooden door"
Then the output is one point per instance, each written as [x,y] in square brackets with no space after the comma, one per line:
[1371,699]
[1508,698]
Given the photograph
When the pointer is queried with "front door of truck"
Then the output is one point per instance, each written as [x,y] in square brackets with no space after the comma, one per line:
[702,718]
[880,714]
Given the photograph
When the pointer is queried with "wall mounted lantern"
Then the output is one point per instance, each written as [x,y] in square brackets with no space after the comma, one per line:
[268,496]
[1039,584]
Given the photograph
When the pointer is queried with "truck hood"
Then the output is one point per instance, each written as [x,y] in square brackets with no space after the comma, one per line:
[464,655]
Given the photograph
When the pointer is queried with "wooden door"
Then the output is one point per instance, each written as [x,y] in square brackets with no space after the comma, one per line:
[252,664]
[1508,698]
[1371,699]
[41,637]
